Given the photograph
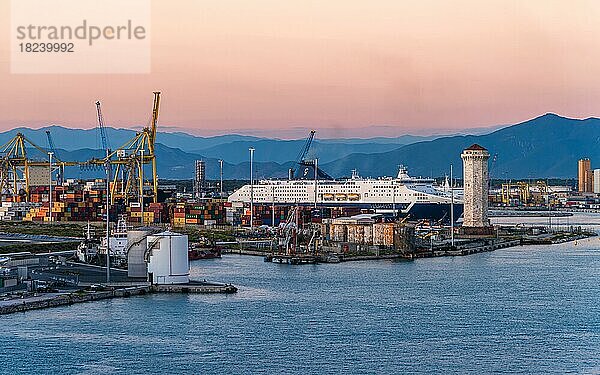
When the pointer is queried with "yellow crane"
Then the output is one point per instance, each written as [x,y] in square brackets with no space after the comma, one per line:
[15,166]
[129,160]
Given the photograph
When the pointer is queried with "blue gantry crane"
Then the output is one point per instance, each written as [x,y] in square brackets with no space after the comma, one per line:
[305,168]
[61,165]
[101,129]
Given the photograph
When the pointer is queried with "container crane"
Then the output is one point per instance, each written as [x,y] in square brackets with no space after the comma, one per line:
[101,128]
[307,165]
[129,160]
[306,147]
[15,164]
[61,169]
[302,154]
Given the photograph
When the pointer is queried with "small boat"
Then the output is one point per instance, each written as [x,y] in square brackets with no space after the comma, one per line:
[204,253]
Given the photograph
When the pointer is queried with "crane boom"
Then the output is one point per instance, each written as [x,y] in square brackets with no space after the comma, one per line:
[51,148]
[101,127]
[155,107]
[51,143]
[306,147]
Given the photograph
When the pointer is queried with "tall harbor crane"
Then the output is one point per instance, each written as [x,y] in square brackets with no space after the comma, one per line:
[304,168]
[129,160]
[302,154]
[15,166]
[61,165]
[306,147]
[101,129]
[127,183]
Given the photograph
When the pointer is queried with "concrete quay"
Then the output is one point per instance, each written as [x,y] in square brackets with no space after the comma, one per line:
[47,300]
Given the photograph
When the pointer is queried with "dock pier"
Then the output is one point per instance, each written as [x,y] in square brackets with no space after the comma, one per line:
[291,259]
[47,300]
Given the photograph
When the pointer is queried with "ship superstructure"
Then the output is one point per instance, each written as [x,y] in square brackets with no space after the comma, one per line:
[402,195]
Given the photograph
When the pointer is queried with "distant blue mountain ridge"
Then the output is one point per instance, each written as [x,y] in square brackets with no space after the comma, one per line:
[546,146]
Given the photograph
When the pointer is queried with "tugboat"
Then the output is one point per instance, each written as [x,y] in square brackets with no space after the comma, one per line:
[118,240]
[200,251]
[88,248]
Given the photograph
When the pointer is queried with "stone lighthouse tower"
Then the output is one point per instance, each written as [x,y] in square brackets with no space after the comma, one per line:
[475,175]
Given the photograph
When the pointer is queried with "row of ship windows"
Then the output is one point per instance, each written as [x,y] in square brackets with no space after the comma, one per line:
[400,195]
[353,191]
[419,196]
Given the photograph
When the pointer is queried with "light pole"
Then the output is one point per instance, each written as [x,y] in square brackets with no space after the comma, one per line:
[50,186]
[394,200]
[273,206]
[107,167]
[451,208]
[251,149]
[316,180]
[142,183]
[221,171]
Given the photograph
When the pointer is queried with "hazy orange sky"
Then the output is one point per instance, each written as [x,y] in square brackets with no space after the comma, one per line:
[414,65]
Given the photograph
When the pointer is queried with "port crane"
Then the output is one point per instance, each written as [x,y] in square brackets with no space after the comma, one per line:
[101,129]
[307,167]
[289,232]
[16,164]
[129,159]
[127,183]
[61,168]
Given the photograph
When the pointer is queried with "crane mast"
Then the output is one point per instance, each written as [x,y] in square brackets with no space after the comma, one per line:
[128,160]
[101,126]
[61,165]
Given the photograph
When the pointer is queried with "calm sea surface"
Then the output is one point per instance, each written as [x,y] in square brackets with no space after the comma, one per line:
[532,309]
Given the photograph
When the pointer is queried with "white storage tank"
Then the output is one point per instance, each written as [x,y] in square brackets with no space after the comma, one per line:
[137,245]
[168,258]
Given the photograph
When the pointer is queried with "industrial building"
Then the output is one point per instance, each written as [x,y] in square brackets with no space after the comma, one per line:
[39,176]
[199,178]
[365,232]
[475,175]
[596,180]
[585,178]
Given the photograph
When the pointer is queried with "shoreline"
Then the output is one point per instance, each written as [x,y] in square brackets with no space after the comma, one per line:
[491,244]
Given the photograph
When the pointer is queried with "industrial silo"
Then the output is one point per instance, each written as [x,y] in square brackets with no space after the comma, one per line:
[168,258]
[137,245]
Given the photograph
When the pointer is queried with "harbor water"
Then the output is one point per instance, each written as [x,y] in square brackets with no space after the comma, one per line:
[532,309]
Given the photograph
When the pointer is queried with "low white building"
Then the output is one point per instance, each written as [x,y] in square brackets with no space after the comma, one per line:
[596,180]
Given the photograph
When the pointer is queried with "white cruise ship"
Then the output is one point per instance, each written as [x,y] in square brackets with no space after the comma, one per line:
[419,198]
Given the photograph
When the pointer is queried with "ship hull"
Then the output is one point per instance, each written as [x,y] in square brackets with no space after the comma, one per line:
[435,211]
[418,211]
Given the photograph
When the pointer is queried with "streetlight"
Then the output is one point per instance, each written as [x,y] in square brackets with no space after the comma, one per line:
[108,169]
[316,180]
[451,208]
[142,183]
[273,206]
[394,200]
[50,184]
[251,149]
[221,167]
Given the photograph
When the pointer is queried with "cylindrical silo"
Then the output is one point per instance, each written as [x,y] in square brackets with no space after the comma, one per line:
[168,258]
[136,243]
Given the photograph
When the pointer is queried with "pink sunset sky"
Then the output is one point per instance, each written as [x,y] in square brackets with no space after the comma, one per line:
[402,66]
